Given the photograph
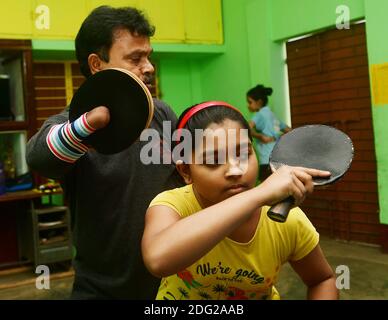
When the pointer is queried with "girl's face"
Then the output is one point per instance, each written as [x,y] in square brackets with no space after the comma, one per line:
[233,170]
[254,105]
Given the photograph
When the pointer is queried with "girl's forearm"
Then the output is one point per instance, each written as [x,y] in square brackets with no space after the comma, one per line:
[184,242]
[263,138]
[325,290]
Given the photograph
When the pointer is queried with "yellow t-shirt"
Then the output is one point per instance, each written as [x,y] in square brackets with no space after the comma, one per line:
[234,270]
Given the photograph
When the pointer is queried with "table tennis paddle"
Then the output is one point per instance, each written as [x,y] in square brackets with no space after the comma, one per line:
[130,106]
[313,146]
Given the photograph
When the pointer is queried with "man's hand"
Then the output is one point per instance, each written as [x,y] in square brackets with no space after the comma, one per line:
[98,117]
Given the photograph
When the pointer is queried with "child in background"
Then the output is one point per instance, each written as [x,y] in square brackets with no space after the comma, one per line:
[265,126]
[212,239]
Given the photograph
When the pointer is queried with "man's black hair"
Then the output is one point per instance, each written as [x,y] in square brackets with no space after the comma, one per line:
[96,32]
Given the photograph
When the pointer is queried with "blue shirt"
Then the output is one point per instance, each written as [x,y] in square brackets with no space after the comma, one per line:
[267,124]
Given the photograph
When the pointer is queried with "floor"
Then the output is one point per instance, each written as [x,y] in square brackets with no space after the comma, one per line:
[367,266]
[20,283]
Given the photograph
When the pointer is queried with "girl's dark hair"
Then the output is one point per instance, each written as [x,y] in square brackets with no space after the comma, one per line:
[260,93]
[96,32]
[213,114]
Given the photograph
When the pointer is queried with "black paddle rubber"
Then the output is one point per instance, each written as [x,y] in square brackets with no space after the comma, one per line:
[313,146]
[130,106]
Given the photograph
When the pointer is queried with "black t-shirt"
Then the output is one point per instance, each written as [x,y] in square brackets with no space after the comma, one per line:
[108,196]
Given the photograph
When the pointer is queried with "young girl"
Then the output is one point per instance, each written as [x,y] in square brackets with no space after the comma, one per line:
[265,126]
[212,239]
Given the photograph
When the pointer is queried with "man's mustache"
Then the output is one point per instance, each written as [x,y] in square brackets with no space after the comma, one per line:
[148,78]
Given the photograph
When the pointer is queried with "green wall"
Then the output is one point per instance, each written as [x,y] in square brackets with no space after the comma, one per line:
[224,75]
[178,83]
[298,17]
[376,28]
[254,34]
[289,19]
[228,77]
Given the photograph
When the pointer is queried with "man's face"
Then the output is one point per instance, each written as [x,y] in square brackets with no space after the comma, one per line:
[132,53]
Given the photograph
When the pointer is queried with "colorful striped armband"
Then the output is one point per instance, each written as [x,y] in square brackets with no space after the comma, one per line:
[65,140]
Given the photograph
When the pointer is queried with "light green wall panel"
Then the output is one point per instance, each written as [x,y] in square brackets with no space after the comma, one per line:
[377,28]
[228,76]
[221,73]
[266,57]
[176,83]
[298,17]
[380,116]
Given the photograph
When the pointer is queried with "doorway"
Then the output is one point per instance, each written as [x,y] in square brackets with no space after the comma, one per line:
[329,84]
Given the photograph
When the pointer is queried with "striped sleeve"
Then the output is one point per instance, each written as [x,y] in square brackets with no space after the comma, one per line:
[65,140]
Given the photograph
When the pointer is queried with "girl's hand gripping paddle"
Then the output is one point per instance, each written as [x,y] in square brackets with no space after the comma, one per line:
[313,146]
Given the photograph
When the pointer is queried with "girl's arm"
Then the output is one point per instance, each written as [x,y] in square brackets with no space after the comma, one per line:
[171,243]
[286,129]
[318,276]
[263,138]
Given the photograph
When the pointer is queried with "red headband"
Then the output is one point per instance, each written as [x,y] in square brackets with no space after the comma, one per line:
[200,107]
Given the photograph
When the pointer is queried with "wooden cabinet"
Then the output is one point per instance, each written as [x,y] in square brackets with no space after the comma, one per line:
[16,18]
[179,21]
[176,21]
[16,121]
[58,19]
[16,104]
[51,235]
[114,3]
[53,84]
[16,84]
[168,18]
[37,231]
[203,21]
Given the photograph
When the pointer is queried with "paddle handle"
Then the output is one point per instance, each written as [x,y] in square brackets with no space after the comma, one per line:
[279,212]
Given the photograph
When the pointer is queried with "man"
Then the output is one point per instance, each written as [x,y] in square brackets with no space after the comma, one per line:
[108,194]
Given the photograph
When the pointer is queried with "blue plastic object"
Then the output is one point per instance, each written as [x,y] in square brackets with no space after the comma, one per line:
[2,179]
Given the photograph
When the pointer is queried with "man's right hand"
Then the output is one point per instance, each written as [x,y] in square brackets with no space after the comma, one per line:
[98,117]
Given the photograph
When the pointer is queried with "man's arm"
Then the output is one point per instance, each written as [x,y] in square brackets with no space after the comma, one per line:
[56,147]
[38,155]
